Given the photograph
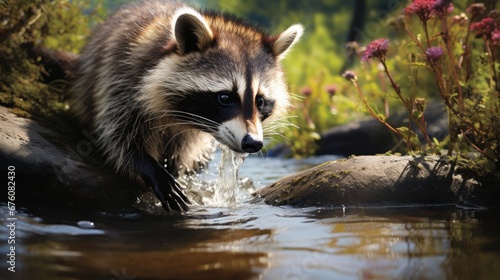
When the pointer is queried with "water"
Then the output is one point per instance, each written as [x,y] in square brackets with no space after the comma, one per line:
[227,181]
[248,241]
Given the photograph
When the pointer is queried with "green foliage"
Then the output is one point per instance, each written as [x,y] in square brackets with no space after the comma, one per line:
[317,107]
[317,55]
[320,51]
[28,24]
[450,57]
[322,99]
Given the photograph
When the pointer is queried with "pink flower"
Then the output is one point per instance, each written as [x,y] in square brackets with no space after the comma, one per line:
[331,89]
[377,48]
[306,91]
[441,6]
[476,9]
[422,8]
[350,76]
[495,37]
[483,27]
[433,54]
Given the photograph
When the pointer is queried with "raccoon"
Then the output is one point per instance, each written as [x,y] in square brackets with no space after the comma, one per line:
[159,81]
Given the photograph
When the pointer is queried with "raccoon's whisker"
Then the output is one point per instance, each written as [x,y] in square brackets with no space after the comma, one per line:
[272,139]
[277,126]
[192,119]
[164,127]
[266,150]
[277,134]
[175,113]
[161,128]
[281,121]
[285,118]
[274,133]
[260,154]
[297,96]
[186,123]
[273,129]
[286,121]
[177,134]
[187,116]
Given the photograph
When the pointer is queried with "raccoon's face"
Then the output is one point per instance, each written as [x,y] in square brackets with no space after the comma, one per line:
[225,78]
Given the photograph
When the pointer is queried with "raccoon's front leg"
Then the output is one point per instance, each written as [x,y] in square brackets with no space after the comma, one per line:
[164,185]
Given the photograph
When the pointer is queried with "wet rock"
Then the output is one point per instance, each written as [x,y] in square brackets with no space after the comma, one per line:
[379,181]
[48,173]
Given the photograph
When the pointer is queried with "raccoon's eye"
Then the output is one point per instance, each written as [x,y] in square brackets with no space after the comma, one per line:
[260,102]
[225,99]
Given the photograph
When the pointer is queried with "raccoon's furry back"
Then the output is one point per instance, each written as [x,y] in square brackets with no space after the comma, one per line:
[107,88]
[149,82]
[160,80]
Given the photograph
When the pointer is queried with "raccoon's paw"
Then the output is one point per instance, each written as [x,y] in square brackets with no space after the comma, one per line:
[169,192]
[164,185]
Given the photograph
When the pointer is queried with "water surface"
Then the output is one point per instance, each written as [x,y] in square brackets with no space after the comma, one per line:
[255,241]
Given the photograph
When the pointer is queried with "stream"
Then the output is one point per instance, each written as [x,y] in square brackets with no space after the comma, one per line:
[254,241]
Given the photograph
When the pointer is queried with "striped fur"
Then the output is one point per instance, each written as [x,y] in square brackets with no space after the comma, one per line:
[149,81]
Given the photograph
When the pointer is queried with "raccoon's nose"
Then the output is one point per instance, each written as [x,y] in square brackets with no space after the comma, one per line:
[250,144]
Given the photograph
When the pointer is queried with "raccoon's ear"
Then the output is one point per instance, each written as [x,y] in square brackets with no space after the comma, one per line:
[282,43]
[191,31]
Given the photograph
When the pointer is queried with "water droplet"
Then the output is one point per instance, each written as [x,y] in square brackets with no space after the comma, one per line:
[86,224]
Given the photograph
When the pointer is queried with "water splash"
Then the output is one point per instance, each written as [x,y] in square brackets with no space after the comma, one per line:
[227,182]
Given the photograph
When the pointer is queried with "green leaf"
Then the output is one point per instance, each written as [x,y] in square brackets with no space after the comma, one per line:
[409,135]
[403,131]
[411,44]
[381,117]
[315,135]
[419,64]
[416,115]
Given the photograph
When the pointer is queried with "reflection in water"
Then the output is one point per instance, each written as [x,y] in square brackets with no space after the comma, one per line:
[254,241]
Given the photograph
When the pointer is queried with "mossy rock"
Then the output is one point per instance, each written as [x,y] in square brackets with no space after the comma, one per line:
[381,181]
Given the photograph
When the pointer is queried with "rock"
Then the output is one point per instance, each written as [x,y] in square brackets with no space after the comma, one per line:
[370,137]
[364,137]
[379,181]
[49,173]
[54,168]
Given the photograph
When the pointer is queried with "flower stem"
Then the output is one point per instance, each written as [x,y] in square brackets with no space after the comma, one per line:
[372,113]
[446,39]
[493,77]
[417,42]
